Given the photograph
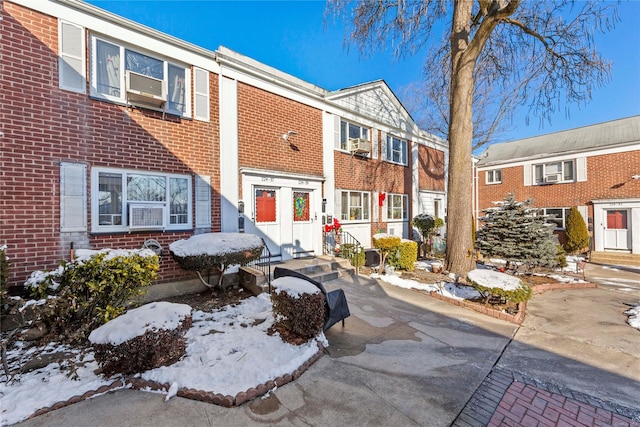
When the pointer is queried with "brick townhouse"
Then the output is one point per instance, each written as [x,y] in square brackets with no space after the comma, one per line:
[595,168]
[115,135]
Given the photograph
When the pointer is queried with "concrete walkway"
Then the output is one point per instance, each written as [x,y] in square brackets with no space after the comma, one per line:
[406,359]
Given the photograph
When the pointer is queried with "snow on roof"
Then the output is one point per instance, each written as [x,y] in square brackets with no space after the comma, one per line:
[215,244]
[150,317]
[294,286]
[494,279]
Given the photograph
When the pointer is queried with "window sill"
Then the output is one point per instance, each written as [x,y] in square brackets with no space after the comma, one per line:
[142,107]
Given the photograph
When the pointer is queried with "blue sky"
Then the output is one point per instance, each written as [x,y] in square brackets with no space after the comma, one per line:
[292,37]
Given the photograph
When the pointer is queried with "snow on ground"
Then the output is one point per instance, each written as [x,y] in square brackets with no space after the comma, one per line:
[494,279]
[450,290]
[228,351]
[634,317]
[43,387]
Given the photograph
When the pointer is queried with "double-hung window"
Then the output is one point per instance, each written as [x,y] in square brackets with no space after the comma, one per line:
[111,60]
[124,200]
[396,208]
[546,173]
[350,131]
[494,176]
[354,206]
[396,150]
[558,216]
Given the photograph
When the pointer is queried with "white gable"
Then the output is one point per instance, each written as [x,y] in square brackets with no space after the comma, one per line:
[377,102]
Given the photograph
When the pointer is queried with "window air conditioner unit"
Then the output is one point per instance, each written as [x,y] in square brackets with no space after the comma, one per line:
[552,178]
[145,91]
[146,217]
[359,146]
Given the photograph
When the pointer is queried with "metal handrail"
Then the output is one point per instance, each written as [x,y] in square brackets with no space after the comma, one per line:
[263,263]
[342,244]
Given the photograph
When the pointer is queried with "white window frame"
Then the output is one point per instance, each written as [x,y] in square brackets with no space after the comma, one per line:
[364,133]
[402,153]
[563,169]
[124,227]
[493,176]
[122,98]
[563,219]
[365,206]
[389,204]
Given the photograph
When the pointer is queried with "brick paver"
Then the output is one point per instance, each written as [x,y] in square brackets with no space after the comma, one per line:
[532,406]
[509,399]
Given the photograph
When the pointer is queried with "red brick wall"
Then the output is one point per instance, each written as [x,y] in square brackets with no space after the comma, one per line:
[263,118]
[608,177]
[44,125]
[366,174]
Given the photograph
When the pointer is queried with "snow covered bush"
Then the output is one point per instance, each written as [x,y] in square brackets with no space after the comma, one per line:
[216,251]
[386,244]
[144,338]
[406,255]
[299,309]
[576,233]
[518,234]
[500,287]
[91,290]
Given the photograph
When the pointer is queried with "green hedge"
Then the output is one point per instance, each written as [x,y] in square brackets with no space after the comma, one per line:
[405,256]
[91,291]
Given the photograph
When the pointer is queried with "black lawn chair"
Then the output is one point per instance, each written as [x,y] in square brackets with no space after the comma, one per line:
[336,301]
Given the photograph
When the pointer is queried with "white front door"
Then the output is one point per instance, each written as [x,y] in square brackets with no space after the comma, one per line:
[616,231]
[265,219]
[283,211]
[303,236]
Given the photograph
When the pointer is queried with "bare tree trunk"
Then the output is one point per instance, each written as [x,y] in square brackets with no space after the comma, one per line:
[459,198]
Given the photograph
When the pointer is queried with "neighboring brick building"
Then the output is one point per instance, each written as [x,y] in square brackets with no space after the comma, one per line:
[595,168]
[114,134]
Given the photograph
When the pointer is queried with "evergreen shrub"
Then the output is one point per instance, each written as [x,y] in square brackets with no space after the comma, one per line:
[406,255]
[91,291]
[518,234]
[6,303]
[386,244]
[355,254]
[576,232]
[4,267]
[521,294]
[153,349]
[298,318]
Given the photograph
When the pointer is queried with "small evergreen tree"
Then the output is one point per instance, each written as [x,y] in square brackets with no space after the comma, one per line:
[514,232]
[576,232]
